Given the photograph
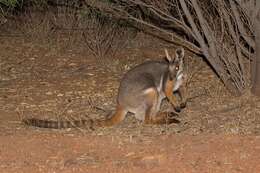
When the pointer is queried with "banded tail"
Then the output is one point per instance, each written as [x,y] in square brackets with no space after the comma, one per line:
[116,118]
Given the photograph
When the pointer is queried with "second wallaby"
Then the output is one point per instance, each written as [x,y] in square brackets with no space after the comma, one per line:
[141,92]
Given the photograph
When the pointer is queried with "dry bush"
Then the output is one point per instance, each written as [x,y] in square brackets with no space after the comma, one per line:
[105,36]
[66,25]
[217,29]
[36,25]
[56,25]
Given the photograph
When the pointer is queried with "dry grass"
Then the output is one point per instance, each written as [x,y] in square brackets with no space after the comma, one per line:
[64,80]
[72,85]
[51,80]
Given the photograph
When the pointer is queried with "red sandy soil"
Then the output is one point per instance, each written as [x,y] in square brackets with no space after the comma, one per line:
[56,152]
[218,133]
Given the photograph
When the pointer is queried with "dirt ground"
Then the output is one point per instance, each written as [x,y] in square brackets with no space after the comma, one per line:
[217,132]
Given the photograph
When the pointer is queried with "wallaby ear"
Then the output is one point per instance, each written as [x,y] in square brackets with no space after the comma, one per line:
[179,53]
[168,57]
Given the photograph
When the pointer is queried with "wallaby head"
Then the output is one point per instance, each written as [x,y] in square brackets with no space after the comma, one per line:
[175,64]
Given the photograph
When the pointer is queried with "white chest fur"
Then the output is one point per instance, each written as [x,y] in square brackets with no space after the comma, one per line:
[179,81]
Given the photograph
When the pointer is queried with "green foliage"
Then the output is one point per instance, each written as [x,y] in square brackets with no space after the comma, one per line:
[104,18]
[14,6]
[10,3]
[38,4]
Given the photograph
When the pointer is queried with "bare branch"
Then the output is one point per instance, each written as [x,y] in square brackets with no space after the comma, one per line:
[240,26]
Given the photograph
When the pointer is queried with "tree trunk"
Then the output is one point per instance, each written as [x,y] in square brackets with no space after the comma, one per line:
[256,62]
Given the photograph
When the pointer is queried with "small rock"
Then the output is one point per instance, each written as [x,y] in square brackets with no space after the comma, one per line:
[49,93]
[72,64]
[60,95]
[70,111]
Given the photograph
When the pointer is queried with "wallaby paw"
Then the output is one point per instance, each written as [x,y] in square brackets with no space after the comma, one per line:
[172,114]
[183,105]
[171,118]
[177,109]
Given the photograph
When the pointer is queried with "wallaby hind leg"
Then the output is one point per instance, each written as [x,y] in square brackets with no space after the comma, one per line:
[162,118]
[116,118]
[183,95]
[151,113]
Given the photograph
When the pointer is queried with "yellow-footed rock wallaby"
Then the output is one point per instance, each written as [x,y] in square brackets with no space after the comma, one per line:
[141,92]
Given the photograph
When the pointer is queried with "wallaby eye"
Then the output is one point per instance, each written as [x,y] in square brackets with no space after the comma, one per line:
[177,68]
